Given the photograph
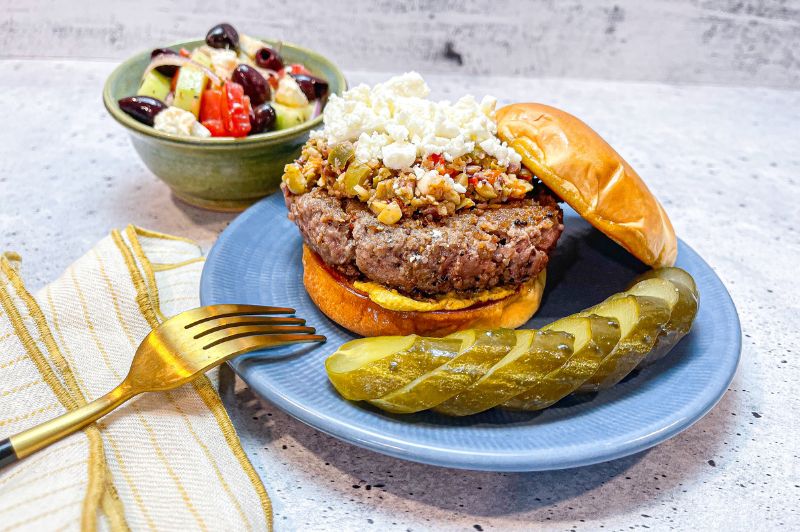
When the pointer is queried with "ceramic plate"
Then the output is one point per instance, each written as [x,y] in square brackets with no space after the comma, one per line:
[257,260]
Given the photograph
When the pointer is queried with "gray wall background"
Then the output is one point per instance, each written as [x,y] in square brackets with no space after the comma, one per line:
[732,42]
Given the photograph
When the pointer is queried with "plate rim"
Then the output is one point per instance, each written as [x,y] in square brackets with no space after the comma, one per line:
[482,460]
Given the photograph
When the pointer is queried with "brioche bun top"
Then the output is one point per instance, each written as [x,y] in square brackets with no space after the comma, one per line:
[586,172]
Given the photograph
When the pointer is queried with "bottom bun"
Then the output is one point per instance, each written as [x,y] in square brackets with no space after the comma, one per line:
[353,310]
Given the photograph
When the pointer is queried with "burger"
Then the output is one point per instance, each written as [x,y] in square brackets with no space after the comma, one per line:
[425,217]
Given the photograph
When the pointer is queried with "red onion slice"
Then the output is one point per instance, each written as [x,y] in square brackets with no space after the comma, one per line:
[317,110]
[179,60]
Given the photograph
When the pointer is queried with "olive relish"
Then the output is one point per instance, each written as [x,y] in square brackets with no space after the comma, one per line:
[433,186]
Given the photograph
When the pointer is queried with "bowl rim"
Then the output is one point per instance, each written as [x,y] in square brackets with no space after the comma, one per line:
[113,109]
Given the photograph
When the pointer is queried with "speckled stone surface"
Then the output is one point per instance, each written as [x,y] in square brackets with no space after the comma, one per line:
[724,161]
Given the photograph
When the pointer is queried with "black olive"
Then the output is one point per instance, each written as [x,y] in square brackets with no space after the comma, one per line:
[167,70]
[254,84]
[312,86]
[223,36]
[262,118]
[268,58]
[142,108]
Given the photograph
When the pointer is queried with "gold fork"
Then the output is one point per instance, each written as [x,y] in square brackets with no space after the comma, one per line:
[182,348]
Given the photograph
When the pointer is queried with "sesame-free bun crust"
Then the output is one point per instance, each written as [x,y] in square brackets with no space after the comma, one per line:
[353,310]
[586,172]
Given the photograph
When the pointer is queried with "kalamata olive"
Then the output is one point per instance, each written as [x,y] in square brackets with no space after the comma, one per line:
[255,85]
[312,86]
[223,36]
[262,118]
[167,70]
[268,58]
[142,108]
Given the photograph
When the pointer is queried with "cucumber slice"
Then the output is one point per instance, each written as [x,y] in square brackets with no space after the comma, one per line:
[479,351]
[190,85]
[286,117]
[369,368]
[641,319]
[521,369]
[155,84]
[595,338]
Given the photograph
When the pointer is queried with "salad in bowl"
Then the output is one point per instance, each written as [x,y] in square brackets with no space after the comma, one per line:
[234,85]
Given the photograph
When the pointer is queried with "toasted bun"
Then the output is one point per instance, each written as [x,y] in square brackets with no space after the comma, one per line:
[353,310]
[579,166]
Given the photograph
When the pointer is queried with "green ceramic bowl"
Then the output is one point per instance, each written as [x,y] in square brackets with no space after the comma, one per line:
[217,173]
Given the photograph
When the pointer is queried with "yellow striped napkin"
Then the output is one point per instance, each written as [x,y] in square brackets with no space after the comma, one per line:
[167,461]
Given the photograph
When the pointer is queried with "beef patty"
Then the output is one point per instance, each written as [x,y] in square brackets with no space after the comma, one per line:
[473,249]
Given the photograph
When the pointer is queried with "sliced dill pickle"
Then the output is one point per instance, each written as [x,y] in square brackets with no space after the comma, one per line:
[369,368]
[595,338]
[479,351]
[676,275]
[683,313]
[522,368]
[641,319]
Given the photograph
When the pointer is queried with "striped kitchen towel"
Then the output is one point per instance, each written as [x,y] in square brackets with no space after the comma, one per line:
[164,461]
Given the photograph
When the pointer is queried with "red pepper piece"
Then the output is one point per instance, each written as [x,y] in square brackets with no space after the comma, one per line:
[215,127]
[174,82]
[211,113]
[234,112]
[296,68]
[211,105]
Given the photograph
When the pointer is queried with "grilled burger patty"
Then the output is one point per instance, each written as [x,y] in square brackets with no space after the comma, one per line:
[473,249]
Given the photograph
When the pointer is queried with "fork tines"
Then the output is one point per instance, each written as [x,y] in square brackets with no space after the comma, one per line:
[251,324]
[212,312]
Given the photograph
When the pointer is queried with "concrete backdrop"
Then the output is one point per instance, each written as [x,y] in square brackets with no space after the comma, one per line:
[731,42]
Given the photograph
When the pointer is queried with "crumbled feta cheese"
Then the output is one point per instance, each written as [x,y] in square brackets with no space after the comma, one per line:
[398,110]
[368,147]
[177,121]
[223,61]
[250,45]
[399,155]
[289,93]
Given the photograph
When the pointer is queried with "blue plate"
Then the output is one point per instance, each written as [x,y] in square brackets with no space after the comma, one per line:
[257,260]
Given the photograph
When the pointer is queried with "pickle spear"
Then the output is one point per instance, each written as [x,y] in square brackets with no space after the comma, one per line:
[683,308]
[369,368]
[640,319]
[675,275]
[522,368]
[595,338]
[479,351]
[683,314]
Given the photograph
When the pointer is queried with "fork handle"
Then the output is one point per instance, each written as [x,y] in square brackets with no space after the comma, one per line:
[35,438]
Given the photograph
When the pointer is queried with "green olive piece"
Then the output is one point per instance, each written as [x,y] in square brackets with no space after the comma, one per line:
[521,369]
[479,351]
[340,155]
[595,338]
[294,179]
[356,174]
[640,319]
[369,368]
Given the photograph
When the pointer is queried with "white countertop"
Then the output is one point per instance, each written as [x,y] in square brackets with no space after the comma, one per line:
[724,161]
